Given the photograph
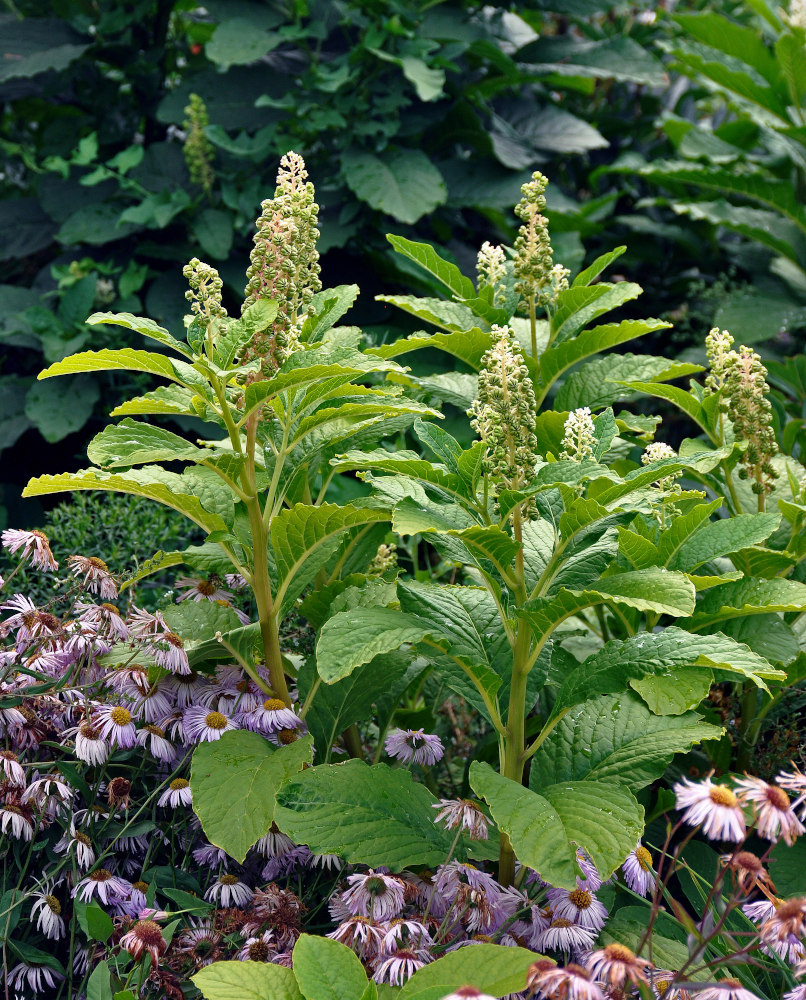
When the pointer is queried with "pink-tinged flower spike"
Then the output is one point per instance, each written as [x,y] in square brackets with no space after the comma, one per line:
[772,809]
[794,781]
[35,542]
[11,767]
[202,725]
[467,993]
[37,978]
[104,885]
[726,989]
[177,794]
[716,807]
[114,723]
[571,983]
[269,717]
[364,937]
[564,935]
[464,813]
[97,578]
[616,965]
[228,890]
[638,872]
[200,589]
[414,745]
[579,905]
[374,895]
[47,911]
[145,938]
[397,968]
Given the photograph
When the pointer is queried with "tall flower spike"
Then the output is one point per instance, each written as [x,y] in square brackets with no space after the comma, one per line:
[204,294]
[535,272]
[657,451]
[505,411]
[579,436]
[198,150]
[284,263]
[750,412]
[718,345]
[491,271]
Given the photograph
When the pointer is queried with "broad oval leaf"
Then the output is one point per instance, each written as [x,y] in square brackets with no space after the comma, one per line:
[132,442]
[491,968]
[403,183]
[327,970]
[247,981]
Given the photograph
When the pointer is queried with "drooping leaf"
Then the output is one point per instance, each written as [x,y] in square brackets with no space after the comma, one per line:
[235,780]
[427,257]
[121,359]
[132,442]
[577,306]
[140,324]
[720,538]
[367,815]
[747,597]
[674,691]
[63,409]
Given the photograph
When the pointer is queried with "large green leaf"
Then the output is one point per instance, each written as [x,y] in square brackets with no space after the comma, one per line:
[235,781]
[733,39]
[403,183]
[720,538]
[489,968]
[427,257]
[747,597]
[367,815]
[246,981]
[132,442]
[61,409]
[675,691]
[451,316]
[140,324]
[608,379]
[468,346]
[327,970]
[122,359]
[545,829]
[615,738]
[151,482]
[577,306]
[175,399]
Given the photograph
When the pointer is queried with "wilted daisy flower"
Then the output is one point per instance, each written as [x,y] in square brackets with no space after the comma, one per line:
[269,717]
[91,747]
[80,843]
[414,745]
[747,869]
[200,942]
[360,934]
[716,807]
[464,813]
[47,910]
[637,870]
[104,885]
[794,781]
[727,989]
[789,919]
[258,949]
[616,965]
[11,767]
[571,983]
[97,578]
[563,934]
[106,618]
[400,966]
[403,932]
[228,890]
[177,794]
[49,794]
[145,938]
[772,810]
[35,542]
[38,978]
[374,895]
[153,737]
[202,725]
[30,621]
[578,905]
[16,818]
[168,651]
[114,723]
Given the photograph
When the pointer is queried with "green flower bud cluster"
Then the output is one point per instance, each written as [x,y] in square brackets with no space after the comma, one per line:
[198,150]
[718,344]
[535,272]
[491,270]
[284,263]
[204,294]
[505,411]
[384,560]
[579,437]
[750,413]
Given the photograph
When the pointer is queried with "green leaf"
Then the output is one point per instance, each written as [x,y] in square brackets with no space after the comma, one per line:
[427,257]
[468,346]
[747,597]
[246,981]
[122,359]
[601,817]
[451,316]
[666,952]
[352,638]
[489,968]
[99,985]
[325,309]
[735,40]
[367,815]
[214,232]
[616,738]
[140,324]
[173,399]
[151,482]
[63,409]
[675,691]
[132,442]
[234,782]
[327,970]
[237,41]
[403,183]
[95,922]
[721,538]
[577,306]
[609,379]
[199,621]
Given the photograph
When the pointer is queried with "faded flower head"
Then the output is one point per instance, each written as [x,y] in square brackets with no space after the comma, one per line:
[716,807]
[284,263]
[579,435]
[505,411]
[385,559]
[197,149]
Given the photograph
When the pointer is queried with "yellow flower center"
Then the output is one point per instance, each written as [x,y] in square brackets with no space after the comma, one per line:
[644,858]
[722,796]
[205,588]
[215,720]
[273,704]
[178,784]
[229,880]
[619,952]
[777,798]
[173,639]
[120,716]
[101,875]
[97,563]
[581,898]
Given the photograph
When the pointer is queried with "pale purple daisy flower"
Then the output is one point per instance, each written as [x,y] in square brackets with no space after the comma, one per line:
[177,794]
[228,890]
[467,993]
[38,978]
[104,885]
[794,781]
[168,651]
[30,621]
[571,983]
[104,617]
[716,807]
[153,737]
[235,581]
[616,965]
[209,856]
[637,869]
[11,767]
[114,723]
[455,874]
[589,870]
[50,794]
[143,623]
[400,966]
[200,589]
[35,542]
[759,911]
[97,578]
[798,993]
[564,935]
[202,725]
[772,809]
[727,989]
[80,843]
[464,813]
[360,934]
[91,747]
[47,912]
[403,932]
[269,717]
[284,864]
[579,905]
[16,818]
[414,745]
[375,895]
[274,843]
